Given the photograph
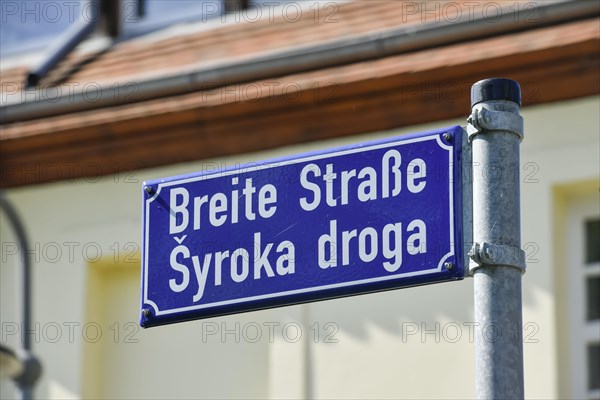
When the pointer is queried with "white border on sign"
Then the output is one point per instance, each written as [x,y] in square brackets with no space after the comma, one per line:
[435,137]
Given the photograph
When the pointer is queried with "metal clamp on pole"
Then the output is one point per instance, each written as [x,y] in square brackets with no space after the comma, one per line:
[483,119]
[495,131]
[492,254]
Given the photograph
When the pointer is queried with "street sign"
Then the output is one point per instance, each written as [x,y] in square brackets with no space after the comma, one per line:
[356,219]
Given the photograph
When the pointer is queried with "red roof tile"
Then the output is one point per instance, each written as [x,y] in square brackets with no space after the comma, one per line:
[133,59]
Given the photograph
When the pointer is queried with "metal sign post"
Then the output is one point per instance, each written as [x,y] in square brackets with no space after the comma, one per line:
[496,130]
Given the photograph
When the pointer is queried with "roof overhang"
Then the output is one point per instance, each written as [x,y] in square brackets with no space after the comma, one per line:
[248,109]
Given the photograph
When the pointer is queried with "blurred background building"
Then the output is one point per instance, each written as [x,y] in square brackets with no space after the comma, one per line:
[157,88]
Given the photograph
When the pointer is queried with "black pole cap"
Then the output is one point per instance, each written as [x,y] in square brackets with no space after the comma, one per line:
[496,89]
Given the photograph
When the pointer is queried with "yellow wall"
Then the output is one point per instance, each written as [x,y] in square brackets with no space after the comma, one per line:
[129,362]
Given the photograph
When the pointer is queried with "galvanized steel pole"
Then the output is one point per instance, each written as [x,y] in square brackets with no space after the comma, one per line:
[497,261]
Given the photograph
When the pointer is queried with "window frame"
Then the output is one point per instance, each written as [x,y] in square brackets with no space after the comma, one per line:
[582,331]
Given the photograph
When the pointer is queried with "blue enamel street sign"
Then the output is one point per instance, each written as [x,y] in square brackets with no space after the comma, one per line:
[357,219]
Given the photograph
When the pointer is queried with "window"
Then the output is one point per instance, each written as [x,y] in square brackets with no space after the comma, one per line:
[158,14]
[161,13]
[33,25]
[594,366]
[583,244]
[592,289]
[592,235]
[593,298]
[27,25]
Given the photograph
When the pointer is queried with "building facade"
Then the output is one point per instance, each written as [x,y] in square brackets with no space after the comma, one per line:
[206,95]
